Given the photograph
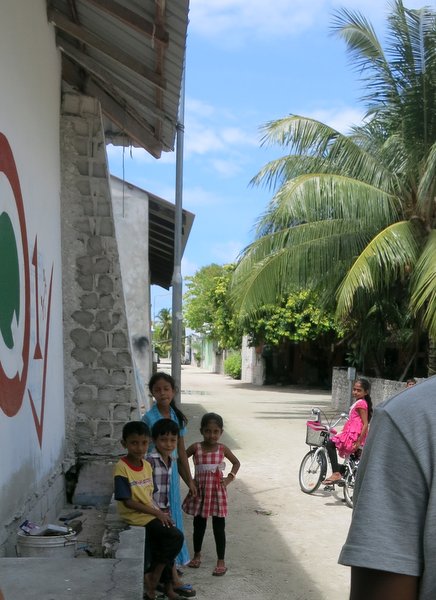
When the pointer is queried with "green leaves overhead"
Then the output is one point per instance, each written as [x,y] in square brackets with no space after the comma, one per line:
[353,216]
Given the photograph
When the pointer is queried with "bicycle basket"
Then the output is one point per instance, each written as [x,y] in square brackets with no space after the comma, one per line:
[315,433]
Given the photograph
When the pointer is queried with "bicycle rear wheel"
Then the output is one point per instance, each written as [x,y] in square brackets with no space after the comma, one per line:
[349,487]
[313,470]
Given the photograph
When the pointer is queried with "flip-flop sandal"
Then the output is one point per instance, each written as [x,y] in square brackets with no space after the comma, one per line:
[219,571]
[186,590]
[194,563]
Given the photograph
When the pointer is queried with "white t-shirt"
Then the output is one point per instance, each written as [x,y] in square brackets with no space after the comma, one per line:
[394,518]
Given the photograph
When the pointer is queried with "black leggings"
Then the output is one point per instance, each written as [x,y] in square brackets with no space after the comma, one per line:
[219,533]
[333,456]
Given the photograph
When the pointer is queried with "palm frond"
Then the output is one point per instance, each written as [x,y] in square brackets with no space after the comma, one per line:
[424,285]
[388,256]
[368,58]
[316,197]
[301,256]
[425,202]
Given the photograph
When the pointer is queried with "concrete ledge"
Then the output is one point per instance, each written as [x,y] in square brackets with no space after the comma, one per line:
[121,540]
[64,579]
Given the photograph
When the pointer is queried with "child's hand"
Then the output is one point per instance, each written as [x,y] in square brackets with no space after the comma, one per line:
[165,519]
[192,488]
[227,480]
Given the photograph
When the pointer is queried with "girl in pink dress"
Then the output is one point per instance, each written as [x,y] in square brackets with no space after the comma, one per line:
[354,433]
[211,498]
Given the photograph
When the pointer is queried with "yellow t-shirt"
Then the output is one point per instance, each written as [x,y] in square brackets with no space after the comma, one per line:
[135,483]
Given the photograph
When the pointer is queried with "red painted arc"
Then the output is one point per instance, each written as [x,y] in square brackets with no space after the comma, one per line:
[12,389]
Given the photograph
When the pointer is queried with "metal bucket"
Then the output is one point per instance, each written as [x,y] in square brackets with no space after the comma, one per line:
[44,546]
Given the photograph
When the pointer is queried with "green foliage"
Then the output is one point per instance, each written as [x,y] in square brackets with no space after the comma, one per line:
[299,318]
[353,216]
[162,332]
[207,308]
[233,365]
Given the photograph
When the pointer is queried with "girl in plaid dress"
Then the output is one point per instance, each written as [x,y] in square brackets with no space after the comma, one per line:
[211,498]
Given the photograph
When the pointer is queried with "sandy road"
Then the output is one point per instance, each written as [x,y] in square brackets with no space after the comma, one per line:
[292,552]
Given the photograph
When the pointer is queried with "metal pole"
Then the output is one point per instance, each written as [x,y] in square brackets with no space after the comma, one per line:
[176,356]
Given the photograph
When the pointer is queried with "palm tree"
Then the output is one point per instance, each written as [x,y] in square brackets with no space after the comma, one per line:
[163,331]
[354,215]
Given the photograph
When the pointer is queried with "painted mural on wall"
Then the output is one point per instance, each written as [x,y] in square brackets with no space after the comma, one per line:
[25,302]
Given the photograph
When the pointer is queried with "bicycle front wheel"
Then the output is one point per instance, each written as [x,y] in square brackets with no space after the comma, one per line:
[313,470]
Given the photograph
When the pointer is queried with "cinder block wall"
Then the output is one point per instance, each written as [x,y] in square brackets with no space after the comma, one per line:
[99,382]
[381,389]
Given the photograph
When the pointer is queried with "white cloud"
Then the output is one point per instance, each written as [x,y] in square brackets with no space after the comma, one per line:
[226,252]
[137,155]
[195,197]
[189,267]
[226,168]
[234,22]
[238,19]
[340,119]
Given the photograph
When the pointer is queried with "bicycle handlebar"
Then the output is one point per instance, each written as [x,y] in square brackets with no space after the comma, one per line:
[317,412]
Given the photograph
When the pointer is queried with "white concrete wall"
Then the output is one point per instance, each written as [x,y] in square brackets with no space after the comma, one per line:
[31,409]
[253,367]
[130,210]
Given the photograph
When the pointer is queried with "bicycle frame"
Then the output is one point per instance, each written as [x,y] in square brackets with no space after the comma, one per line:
[313,468]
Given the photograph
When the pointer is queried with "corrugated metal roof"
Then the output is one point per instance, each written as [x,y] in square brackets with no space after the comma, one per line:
[129,54]
[161,215]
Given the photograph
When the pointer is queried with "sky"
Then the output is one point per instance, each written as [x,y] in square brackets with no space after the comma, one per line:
[248,63]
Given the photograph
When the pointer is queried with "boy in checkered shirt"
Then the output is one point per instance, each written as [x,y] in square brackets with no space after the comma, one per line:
[165,435]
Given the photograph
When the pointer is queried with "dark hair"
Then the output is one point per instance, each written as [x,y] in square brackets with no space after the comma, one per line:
[208,417]
[163,427]
[135,428]
[166,377]
[411,380]
[367,388]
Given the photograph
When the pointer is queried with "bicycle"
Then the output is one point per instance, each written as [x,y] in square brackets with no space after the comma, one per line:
[313,468]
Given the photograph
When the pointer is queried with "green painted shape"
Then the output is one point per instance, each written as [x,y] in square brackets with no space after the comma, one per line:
[9,279]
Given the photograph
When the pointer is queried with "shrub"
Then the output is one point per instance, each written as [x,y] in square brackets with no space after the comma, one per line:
[233,366]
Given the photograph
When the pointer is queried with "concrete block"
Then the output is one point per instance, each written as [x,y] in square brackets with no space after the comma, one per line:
[108,359]
[108,394]
[83,393]
[83,225]
[124,359]
[105,226]
[80,337]
[105,284]
[106,301]
[98,340]
[86,282]
[85,265]
[119,339]
[118,378]
[95,484]
[102,265]
[89,301]
[95,245]
[86,356]
[83,317]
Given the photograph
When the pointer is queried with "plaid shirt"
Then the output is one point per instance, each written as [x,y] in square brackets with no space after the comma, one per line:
[161,480]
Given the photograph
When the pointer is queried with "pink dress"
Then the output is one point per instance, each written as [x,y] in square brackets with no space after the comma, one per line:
[344,441]
[211,498]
